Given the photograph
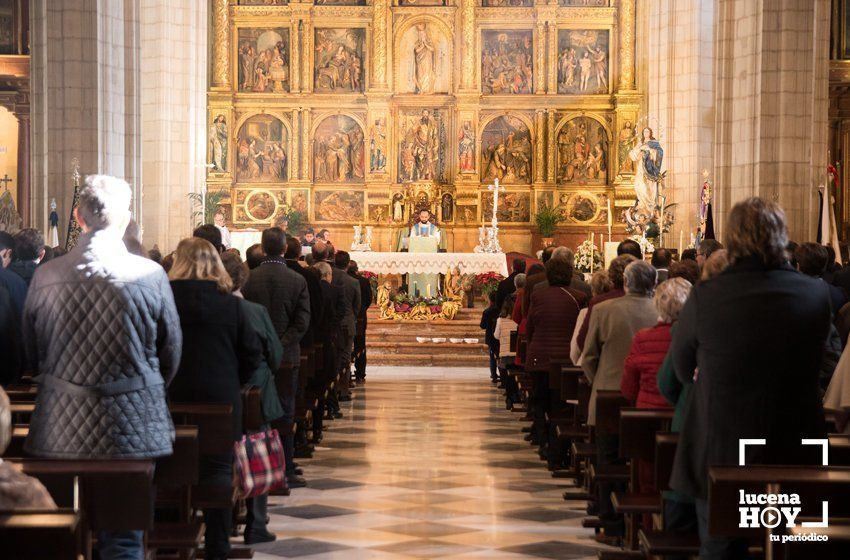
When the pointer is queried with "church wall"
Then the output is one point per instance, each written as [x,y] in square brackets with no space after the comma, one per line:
[325,108]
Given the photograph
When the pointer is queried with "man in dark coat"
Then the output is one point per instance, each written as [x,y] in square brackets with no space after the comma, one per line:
[350,293]
[10,339]
[362,322]
[12,282]
[752,339]
[29,249]
[333,311]
[285,296]
[506,287]
[106,398]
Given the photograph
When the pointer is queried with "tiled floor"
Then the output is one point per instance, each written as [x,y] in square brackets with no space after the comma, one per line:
[427,468]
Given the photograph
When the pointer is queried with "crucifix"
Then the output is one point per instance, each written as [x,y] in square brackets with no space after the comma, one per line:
[6,180]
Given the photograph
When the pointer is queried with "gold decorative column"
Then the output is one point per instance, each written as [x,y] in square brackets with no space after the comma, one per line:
[379,44]
[626,24]
[539,153]
[307,46]
[295,59]
[296,172]
[467,26]
[305,144]
[540,56]
[550,163]
[221,45]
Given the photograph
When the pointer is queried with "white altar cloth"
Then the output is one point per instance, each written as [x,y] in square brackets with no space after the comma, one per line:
[430,263]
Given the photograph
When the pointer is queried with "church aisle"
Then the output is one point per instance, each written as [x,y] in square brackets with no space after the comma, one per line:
[427,468]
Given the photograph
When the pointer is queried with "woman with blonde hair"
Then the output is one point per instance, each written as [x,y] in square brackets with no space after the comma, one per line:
[221,351]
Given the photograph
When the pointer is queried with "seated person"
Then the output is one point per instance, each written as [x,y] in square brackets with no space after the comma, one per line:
[17,490]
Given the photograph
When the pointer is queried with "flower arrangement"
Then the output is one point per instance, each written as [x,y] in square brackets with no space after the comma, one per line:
[588,253]
[295,218]
[488,282]
[645,244]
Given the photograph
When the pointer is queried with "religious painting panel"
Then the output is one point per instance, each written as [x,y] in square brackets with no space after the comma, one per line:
[424,60]
[338,206]
[581,207]
[261,146]
[583,61]
[506,61]
[507,3]
[379,213]
[338,60]
[217,138]
[514,207]
[397,207]
[421,145]
[582,152]
[583,3]
[263,60]
[339,151]
[378,144]
[545,199]
[466,146]
[260,205]
[506,150]
[466,214]
[299,201]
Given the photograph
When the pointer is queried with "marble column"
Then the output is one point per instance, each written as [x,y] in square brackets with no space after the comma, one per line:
[772,101]
[24,193]
[85,98]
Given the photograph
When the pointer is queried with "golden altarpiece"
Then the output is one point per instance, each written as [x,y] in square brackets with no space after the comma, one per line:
[362,111]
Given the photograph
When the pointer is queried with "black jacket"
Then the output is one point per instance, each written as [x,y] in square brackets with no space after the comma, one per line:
[506,288]
[10,340]
[333,312]
[24,269]
[285,296]
[757,335]
[221,349]
[488,322]
[315,292]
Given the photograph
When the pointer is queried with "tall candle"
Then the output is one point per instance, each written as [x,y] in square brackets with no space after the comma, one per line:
[428,289]
[681,242]
[415,290]
[610,218]
[592,249]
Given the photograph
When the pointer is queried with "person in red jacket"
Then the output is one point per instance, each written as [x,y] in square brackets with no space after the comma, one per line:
[649,347]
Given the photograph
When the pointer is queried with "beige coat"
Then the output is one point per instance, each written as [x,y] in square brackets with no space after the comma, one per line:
[613,324]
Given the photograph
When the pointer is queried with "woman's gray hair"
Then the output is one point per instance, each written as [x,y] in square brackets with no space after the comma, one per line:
[324,270]
[670,296]
[520,280]
[640,278]
[105,202]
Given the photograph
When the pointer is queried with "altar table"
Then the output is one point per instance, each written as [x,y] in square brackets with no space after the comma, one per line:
[430,263]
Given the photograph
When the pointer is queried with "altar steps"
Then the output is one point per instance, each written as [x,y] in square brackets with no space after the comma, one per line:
[394,342]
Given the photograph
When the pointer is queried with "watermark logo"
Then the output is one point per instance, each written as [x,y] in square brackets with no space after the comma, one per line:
[769,510]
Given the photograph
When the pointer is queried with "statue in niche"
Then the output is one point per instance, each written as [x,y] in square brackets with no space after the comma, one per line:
[419,147]
[398,207]
[466,148]
[378,146]
[447,207]
[424,54]
[218,143]
[626,143]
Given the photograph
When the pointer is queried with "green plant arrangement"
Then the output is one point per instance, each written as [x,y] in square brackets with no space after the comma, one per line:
[204,208]
[547,220]
[294,218]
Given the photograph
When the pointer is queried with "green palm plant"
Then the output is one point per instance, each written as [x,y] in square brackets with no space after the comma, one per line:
[204,207]
[547,219]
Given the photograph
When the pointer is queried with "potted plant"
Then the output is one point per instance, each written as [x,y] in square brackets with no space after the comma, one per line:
[547,220]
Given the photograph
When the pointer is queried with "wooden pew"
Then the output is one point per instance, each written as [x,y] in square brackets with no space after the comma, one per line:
[837,546]
[53,535]
[113,495]
[839,450]
[663,543]
[638,427]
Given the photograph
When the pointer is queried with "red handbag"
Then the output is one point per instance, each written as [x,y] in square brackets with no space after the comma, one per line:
[260,465]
